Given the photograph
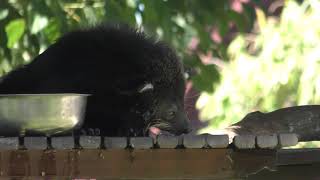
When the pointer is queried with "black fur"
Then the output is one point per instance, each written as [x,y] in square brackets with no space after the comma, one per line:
[112,63]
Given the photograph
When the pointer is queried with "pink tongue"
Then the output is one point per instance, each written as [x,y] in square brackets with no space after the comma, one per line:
[154,131]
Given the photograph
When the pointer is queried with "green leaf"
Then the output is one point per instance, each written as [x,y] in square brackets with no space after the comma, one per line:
[89,13]
[3,13]
[14,30]
[207,78]
[52,31]
[39,23]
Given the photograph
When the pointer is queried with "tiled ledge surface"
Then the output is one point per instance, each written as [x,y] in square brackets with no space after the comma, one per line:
[166,142]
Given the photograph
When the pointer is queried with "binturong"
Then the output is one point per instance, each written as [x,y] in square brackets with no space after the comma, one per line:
[136,83]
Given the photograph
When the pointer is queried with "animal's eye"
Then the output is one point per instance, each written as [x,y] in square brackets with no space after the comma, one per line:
[171,115]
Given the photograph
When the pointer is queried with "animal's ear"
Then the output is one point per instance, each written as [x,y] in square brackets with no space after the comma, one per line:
[145,88]
[137,90]
[189,72]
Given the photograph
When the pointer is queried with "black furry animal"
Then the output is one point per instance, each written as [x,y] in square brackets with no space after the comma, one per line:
[137,83]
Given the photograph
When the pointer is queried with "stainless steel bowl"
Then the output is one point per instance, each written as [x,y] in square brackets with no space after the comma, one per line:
[45,114]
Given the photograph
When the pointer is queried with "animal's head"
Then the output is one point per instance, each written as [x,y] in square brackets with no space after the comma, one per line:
[159,96]
[149,84]
[168,112]
[159,110]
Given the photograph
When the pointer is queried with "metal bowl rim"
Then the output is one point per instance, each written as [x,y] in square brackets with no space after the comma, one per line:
[48,94]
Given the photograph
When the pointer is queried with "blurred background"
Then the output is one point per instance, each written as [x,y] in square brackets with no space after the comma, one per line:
[244,55]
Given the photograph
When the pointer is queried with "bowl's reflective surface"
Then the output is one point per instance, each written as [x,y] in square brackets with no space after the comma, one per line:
[45,114]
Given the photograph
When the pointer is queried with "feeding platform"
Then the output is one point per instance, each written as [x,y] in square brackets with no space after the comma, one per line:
[166,157]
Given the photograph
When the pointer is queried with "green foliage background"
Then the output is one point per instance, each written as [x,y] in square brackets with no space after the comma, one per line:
[274,66]
[27,27]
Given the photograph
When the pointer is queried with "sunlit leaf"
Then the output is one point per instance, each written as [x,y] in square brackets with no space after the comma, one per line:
[14,30]
[261,18]
[39,23]
[3,13]
[90,15]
